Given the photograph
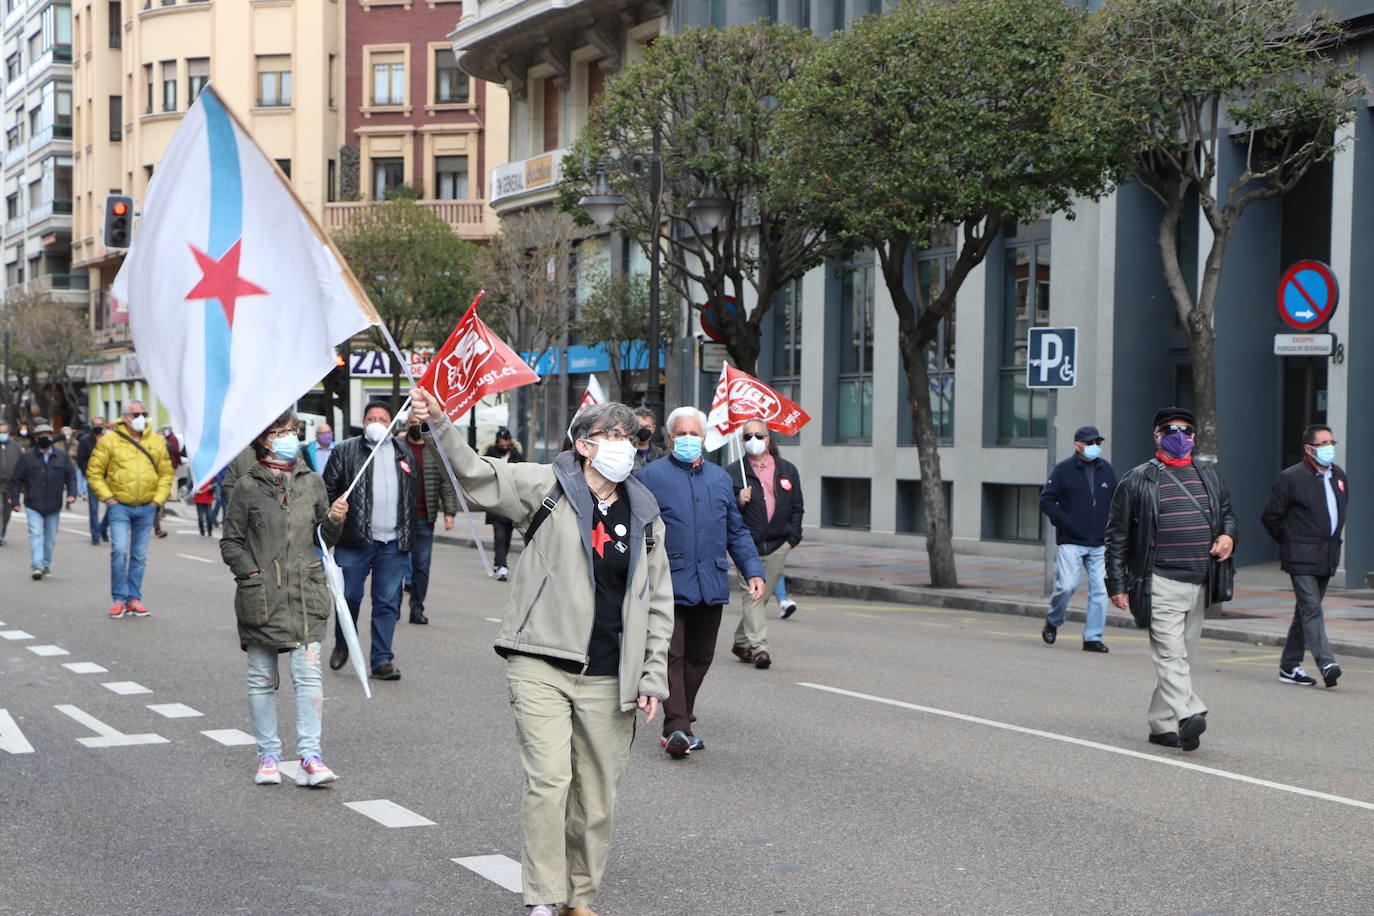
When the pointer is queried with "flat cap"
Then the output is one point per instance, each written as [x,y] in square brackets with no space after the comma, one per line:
[1165,414]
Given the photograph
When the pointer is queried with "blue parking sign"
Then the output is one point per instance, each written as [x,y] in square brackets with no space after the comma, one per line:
[1052,358]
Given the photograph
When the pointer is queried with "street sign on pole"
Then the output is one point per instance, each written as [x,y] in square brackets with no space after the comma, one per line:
[1304,344]
[1052,358]
[1308,294]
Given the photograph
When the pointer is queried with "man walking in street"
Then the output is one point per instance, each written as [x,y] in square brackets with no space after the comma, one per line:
[701,522]
[1306,514]
[40,478]
[378,533]
[645,449]
[434,497]
[100,527]
[1077,499]
[131,473]
[503,449]
[770,500]
[10,450]
[1169,541]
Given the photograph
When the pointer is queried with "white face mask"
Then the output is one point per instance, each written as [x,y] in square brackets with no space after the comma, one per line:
[614,460]
[374,432]
[756,447]
[138,424]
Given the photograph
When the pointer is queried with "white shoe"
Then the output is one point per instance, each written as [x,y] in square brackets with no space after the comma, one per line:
[786,608]
[502,573]
[268,774]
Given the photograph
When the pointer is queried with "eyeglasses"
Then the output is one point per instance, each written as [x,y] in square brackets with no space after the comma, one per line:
[139,414]
[284,431]
[748,436]
[613,434]
[1177,428]
[1322,444]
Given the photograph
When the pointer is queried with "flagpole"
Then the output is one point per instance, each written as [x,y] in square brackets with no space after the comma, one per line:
[443,455]
[375,446]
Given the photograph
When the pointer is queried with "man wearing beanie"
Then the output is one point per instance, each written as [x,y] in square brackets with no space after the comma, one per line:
[1169,541]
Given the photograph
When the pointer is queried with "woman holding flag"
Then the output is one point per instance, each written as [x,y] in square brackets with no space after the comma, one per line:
[585,635]
[282,603]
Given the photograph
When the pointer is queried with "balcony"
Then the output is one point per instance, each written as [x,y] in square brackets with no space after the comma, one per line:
[467,217]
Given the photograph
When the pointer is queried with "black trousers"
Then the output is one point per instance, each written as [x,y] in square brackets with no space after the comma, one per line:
[1307,632]
[501,529]
[689,657]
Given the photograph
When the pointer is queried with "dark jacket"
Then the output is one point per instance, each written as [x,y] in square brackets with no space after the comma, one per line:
[1296,517]
[9,459]
[344,463]
[786,525]
[701,521]
[1132,530]
[270,530]
[647,456]
[41,482]
[84,448]
[440,498]
[1079,515]
[512,455]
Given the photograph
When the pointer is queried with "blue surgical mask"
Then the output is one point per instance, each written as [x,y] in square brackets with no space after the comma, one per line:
[1092,452]
[4,437]
[687,448]
[1326,455]
[286,447]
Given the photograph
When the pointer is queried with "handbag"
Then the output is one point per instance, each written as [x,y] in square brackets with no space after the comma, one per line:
[1221,574]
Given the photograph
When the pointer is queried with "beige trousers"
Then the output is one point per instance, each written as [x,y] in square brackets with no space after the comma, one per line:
[752,631]
[574,744]
[1176,612]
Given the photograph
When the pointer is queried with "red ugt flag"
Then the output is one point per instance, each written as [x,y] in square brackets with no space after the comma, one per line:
[471,364]
[739,398]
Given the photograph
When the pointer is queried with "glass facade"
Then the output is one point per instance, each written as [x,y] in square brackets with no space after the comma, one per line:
[854,359]
[1025,304]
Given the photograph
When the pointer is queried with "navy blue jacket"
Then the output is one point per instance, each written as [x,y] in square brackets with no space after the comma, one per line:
[41,483]
[1079,515]
[700,520]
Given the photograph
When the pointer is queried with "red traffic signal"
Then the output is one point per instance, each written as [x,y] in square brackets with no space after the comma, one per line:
[119,221]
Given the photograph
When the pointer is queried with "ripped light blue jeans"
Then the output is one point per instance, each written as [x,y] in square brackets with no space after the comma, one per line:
[262,698]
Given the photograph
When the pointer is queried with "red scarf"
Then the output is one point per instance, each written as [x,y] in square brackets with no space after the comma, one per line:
[1171,461]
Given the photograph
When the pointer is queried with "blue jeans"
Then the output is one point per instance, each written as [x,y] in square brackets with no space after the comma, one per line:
[42,533]
[81,488]
[419,564]
[100,527]
[262,698]
[1070,561]
[780,592]
[130,528]
[387,566]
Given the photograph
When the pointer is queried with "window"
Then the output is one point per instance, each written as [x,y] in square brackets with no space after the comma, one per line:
[596,82]
[169,85]
[62,189]
[148,81]
[386,174]
[57,30]
[62,110]
[854,383]
[1011,513]
[12,205]
[717,14]
[389,78]
[197,75]
[845,502]
[116,25]
[116,117]
[331,77]
[785,346]
[274,81]
[35,193]
[36,124]
[450,83]
[331,180]
[451,177]
[284,165]
[1025,304]
[551,108]
[932,267]
[911,506]
[13,67]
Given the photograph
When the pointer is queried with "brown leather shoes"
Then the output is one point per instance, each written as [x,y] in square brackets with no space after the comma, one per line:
[762,659]
[743,653]
[579,910]
[387,672]
[338,658]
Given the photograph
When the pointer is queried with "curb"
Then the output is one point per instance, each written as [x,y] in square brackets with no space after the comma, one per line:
[930,597]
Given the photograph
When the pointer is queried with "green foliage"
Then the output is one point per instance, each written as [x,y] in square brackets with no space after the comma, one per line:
[404,192]
[527,272]
[615,312]
[46,337]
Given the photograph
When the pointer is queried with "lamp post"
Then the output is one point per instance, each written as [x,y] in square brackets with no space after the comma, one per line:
[708,211]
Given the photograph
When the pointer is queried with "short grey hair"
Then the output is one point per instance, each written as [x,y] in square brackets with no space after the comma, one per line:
[603,416]
[684,411]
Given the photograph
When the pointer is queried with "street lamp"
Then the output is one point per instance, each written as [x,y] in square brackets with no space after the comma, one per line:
[710,210]
[602,204]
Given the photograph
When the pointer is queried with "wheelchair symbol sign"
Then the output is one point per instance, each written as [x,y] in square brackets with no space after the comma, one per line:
[1052,358]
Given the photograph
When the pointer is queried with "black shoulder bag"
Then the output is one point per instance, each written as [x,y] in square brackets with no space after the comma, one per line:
[1221,576]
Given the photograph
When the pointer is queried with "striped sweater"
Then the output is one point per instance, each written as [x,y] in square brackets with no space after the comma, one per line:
[1184,535]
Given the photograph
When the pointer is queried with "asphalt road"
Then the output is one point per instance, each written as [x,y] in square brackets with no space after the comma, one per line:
[966,768]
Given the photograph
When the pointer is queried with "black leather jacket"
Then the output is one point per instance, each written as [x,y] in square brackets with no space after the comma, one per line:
[348,456]
[1132,529]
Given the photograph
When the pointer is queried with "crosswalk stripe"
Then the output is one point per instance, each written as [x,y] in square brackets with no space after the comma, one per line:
[125,688]
[12,740]
[498,869]
[15,634]
[230,737]
[84,668]
[389,814]
[108,736]
[187,556]
[174,710]
[48,650]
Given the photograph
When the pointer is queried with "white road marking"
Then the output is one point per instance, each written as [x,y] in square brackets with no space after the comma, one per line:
[1094,745]
[47,650]
[15,634]
[125,688]
[76,531]
[499,869]
[174,710]
[84,668]
[109,737]
[389,814]
[490,620]
[230,737]
[290,769]
[12,740]
[187,556]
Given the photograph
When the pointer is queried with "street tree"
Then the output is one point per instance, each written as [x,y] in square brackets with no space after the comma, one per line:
[47,338]
[939,119]
[615,312]
[418,273]
[1176,80]
[709,96]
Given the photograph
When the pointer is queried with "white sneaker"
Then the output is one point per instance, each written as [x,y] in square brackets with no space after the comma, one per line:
[313,772]
[268,774]
[786,608]
[502,573]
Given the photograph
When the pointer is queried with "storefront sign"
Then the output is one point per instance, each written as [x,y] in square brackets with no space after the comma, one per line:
[533,174]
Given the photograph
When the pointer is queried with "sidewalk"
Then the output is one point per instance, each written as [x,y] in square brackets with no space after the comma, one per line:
[1260,613]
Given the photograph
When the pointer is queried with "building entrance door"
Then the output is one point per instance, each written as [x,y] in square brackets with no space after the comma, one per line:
[1304,401]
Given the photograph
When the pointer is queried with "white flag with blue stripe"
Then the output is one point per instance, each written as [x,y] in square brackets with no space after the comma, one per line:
[235,303]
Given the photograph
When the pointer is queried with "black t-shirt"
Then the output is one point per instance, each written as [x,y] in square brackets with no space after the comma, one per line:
[611,567]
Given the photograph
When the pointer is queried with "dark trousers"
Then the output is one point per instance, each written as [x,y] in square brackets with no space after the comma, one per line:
[1308,629]
[689,657]
[100,526]
[5,510]
[387,567]
[501,529]
[205,517]
[419,564]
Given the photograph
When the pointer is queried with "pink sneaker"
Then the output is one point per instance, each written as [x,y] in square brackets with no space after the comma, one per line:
[137,609]
[314,772]
[268,774]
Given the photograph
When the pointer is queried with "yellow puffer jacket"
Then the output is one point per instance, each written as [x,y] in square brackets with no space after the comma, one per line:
[120,470]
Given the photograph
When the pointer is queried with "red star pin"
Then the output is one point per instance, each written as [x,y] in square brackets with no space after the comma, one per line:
[600,539]
[220,280]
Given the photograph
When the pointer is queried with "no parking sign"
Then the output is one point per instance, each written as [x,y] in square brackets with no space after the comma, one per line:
[1308,294]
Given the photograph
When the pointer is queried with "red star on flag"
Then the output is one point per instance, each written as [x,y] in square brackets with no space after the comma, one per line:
[600,539]
[220,280]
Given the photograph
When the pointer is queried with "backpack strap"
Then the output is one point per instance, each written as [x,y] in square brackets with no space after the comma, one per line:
[649,541]
[550,500]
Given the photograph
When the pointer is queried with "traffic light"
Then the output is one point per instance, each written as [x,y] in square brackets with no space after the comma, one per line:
[119,220]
